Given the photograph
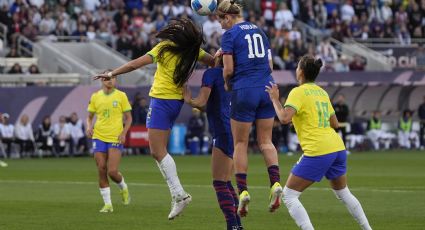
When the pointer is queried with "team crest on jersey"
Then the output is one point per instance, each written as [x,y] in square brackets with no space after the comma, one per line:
[115,104]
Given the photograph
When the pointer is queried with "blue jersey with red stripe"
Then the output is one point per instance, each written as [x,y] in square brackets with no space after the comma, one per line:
[218,105]
[250,48]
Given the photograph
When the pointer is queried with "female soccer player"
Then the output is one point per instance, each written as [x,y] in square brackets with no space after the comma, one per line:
[247,69]
[110,106]
[176,58]
[311,112]
[217,100]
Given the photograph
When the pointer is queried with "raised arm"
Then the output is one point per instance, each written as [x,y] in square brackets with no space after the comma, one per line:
[128,67]
[284,114]
[208,59]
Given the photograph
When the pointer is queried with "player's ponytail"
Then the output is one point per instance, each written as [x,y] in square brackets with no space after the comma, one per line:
[229,7]
[310,67]
[187,39]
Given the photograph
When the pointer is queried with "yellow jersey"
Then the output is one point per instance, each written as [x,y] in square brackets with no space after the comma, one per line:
[163,86]
[109,110]
[311,120]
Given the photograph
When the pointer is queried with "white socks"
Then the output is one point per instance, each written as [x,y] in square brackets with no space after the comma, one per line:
[106,195]
[353,206]
[296,209]
[122,185]
[169,171]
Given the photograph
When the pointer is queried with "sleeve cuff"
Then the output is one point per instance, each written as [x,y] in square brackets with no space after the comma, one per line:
[128,110]
[153,58]
[292,106]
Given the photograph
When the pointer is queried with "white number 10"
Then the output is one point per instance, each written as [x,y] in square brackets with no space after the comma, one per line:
[254,52]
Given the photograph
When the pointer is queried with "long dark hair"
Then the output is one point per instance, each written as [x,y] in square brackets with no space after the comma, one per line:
[187,39]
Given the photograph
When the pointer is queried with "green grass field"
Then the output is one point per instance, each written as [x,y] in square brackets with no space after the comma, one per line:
[62,194]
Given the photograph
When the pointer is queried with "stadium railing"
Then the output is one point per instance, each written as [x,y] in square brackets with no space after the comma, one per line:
[24,62]
[375,60]
[64,79]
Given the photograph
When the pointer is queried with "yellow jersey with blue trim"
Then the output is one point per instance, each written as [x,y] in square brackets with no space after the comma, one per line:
[109,110]
[163,86]
[311,121]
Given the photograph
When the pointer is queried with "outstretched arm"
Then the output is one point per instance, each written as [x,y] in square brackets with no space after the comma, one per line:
[128,67]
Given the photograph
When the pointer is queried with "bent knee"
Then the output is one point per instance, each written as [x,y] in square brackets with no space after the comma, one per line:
[113,172]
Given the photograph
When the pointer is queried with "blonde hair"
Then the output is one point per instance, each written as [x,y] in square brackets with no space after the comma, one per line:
[229,7]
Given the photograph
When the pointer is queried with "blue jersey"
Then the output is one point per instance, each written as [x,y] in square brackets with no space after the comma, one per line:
[218,105]
[250,48]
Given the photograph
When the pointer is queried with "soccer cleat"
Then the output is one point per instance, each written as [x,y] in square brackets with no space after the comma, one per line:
[125,195]
[244,199]
[275,196]
[107,208]
[178,204]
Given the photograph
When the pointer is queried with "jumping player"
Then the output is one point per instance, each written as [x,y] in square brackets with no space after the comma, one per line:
[217,101]
[247,70]
[176,57]
[311,112]
[110,106]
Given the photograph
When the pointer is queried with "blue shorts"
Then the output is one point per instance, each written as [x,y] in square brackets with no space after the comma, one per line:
[103,147]
[224,142]
[331,165]
[163,113]
[250,104]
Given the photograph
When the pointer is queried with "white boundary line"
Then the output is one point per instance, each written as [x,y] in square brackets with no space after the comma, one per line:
[361,189]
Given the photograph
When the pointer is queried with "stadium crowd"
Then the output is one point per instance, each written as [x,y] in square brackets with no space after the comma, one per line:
[129,25]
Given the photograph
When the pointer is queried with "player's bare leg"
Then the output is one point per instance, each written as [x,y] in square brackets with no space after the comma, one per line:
[158,140]
[114,159]
[264,140]
[240,132]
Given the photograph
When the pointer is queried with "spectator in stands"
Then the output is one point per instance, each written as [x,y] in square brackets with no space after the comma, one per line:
[16,69]
[31,32]
[62,135]
[33,69]
[7,134]
[357,64]
[13,53]
[360,7]
[342,112]
[405,133]
[327,52]
[211,26]
[386,11]
[355,28]
[347,11]
[403,35]
[195,127]
[78,142]
[268,8]
[140,112]
[284,17]
[124,43]
[343,65]
[375,132]
[375,12]
[140,47]
[81,33]
[321,14]
[416,16]
[44,135]
[24,136]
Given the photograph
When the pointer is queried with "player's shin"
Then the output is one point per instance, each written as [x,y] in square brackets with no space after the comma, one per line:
[296,209]
[353,206]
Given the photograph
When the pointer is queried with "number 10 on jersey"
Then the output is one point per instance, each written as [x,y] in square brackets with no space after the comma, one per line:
[255,46]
